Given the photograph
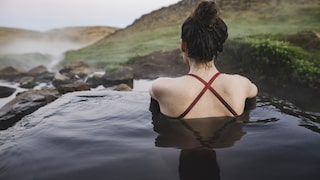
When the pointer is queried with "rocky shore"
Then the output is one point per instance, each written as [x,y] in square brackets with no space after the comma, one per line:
[42,87]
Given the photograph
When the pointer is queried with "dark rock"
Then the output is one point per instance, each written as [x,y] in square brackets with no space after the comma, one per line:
[27,82]
[25,103]
[38,70]
[76,69]
[11,74]
[123,75]
[308,40]
[41,74]
[60,79]
[6,91]
[45,77]
[78,86]
[95,80]
[159,64]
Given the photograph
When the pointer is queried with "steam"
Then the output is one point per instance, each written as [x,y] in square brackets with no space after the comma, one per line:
[52,47]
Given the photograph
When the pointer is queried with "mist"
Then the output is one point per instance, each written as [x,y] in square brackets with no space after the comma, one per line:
[54,49]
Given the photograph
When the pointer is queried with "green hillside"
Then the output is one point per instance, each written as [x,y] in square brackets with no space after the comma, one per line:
[160,30]
[156,31]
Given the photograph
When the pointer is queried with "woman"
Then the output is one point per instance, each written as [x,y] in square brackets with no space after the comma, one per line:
[204,92]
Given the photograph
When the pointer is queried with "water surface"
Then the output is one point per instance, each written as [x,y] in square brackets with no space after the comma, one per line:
[110,135]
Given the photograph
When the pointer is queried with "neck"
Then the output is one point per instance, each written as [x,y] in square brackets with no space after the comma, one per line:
[202,69]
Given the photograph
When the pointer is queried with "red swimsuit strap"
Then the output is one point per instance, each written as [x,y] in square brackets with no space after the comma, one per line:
[207,86]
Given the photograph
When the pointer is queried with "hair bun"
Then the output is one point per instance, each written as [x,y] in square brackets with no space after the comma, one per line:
[206,13]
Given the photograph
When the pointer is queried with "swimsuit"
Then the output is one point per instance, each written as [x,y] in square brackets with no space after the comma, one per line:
[205,88]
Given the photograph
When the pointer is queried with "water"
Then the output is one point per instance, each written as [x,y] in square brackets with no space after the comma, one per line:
[110,135]
[5,100]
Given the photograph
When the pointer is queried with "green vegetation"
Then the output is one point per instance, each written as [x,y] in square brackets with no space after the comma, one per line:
[121,49]
[270,56]
[247,29]
[113,68]
[285,18]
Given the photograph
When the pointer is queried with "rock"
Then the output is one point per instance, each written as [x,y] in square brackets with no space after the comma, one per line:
[6,91]
[158,64]
[45,77]
[122,75]
[27,82]
[60,79]
[41,74]
[95,80]
[38,70]
[11,74]
[78,86]
[121,87]
[25,103]
[76,69]
[308,40]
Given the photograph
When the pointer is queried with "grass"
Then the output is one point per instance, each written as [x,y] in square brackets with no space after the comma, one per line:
[117,49]
[120,50]
[284,19]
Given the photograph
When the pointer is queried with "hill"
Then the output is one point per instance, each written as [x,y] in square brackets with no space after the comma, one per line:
[157,30]
[26,49]
[7,34]
[83,35]
[160,29]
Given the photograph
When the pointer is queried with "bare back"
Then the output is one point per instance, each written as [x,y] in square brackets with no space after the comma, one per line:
[176,94]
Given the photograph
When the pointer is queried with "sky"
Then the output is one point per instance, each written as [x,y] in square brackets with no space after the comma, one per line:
[43,15]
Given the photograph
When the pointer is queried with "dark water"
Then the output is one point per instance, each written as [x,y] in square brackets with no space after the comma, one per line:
[110,135]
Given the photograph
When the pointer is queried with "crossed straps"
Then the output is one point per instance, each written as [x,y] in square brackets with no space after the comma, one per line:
[205,88]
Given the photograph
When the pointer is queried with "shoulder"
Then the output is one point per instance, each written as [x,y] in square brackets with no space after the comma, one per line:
[234,77]
[238,81]
[163,85]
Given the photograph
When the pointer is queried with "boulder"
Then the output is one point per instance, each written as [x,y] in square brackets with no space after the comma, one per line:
[41,74]
[38,70]
[78,86]
[121,75]
[60,79]
[6,91]
[46,77]
[27,82]
[158,64]
[10,73]
[25,103]
[95,80]
[308,40]
[76,69]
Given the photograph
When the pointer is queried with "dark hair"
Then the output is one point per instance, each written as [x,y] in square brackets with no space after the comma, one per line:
[204,32]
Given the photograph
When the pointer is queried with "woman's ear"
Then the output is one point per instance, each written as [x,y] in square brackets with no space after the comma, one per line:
[183,46]
[184,52]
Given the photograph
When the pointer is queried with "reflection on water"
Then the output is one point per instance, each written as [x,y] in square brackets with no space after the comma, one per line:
[197,139]
[197,133]
[5,100]
[198,164]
